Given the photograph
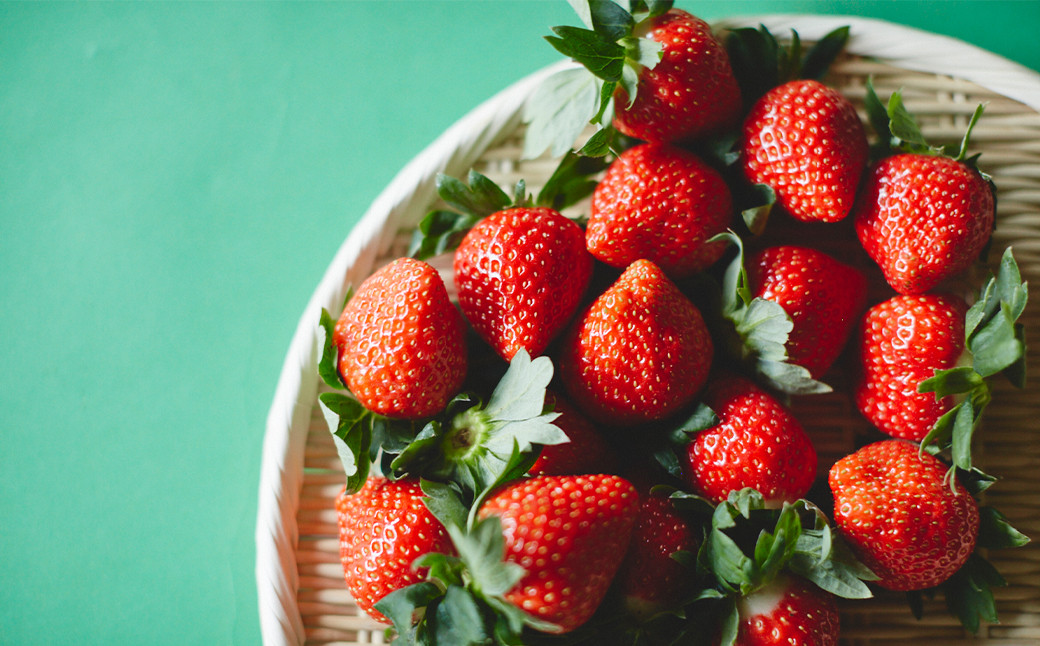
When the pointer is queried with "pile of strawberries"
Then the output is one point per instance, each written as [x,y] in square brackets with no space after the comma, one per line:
[582,432]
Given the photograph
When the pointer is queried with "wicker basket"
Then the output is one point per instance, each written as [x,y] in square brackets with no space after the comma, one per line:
[301,592]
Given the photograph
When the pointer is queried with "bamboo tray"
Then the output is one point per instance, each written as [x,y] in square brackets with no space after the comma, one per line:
[301,592]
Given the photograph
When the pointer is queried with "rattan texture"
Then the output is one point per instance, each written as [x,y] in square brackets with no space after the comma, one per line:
[301,592]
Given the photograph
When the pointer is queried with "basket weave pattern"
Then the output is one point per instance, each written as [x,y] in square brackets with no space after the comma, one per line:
[1008,136]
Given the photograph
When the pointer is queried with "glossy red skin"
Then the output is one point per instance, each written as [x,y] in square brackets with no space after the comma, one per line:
[804,616]
[383,528]
[690,93]
[923,219]
[570,534]
[901,516]
[639,352]
[587,450]
[806,141]
[650,580]
[824,298]
[402,347]
[757,443]
[901,342]
[659,203]
[520,274]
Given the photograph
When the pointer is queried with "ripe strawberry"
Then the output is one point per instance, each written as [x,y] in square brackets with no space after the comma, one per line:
[586,451]
[923,219]
[383,528]
[659,203]
[901,342]
[823,297]
[402,342]
[805,141]
[896,507]
[569,533]
[757,443]
[691,92]
[789,610]
[639,352]
[520,274]
[650,580]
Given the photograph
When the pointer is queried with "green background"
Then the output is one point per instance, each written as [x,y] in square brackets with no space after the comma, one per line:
[174,179]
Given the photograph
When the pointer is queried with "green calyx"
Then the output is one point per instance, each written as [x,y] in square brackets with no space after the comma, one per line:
[759,330]
[996,342]
[761,62]
[611,55]
[899,132]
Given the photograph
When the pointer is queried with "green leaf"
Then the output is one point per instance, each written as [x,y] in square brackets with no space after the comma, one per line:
[964,425]
[558,111]
[996,533]
[610,19]
[520,394]
[350,425]
[328,369]
[969,594]
[400,606]
[730,626]
[962,151]
[439,231]
[444,502]
[604,57]
[482,549]
[996,345]
[906,134]
[952,381]
[755,217]
[584,10]
[941,432]
[458,620]
[877,114]
[821,55]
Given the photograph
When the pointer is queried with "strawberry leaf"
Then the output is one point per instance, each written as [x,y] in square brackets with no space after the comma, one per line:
[559,110]
[328,369]
[439,231]
[756,216]
[459,619]
[351,427]
[821,55]
[573,180]
[969,595]
[445,503]
[610,19]
[596,52]
[400,605]
[482,550]
[996,533]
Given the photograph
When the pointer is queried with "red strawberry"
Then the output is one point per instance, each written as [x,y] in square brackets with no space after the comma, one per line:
[902,342]
[383,528]
[789,610]
[650,580]
[896,507]
[823,297]
[806,141]
[757,443]
[691,92]
[639,352]
[402,342]
[586,451]
[520,274]
[570,534]
[662,204]
[923,219]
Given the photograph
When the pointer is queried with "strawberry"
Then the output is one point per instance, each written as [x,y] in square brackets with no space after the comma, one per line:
[899,511]
[383,528]
[923,215]
[586,449]
[569,533]
[655,74]
[520,274]
[659,203]
[757,443]
[923,219]
[805,141]
[902,342]
[639,352]
[690,93]
[789,610]
[401,342]
[650,579]
[823,297]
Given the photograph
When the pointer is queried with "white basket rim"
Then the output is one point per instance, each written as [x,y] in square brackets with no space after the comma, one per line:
[453,152]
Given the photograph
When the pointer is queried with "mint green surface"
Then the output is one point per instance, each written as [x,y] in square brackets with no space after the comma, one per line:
[174,179]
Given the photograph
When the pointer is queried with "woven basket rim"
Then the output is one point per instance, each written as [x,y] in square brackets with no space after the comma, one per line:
[453,152]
